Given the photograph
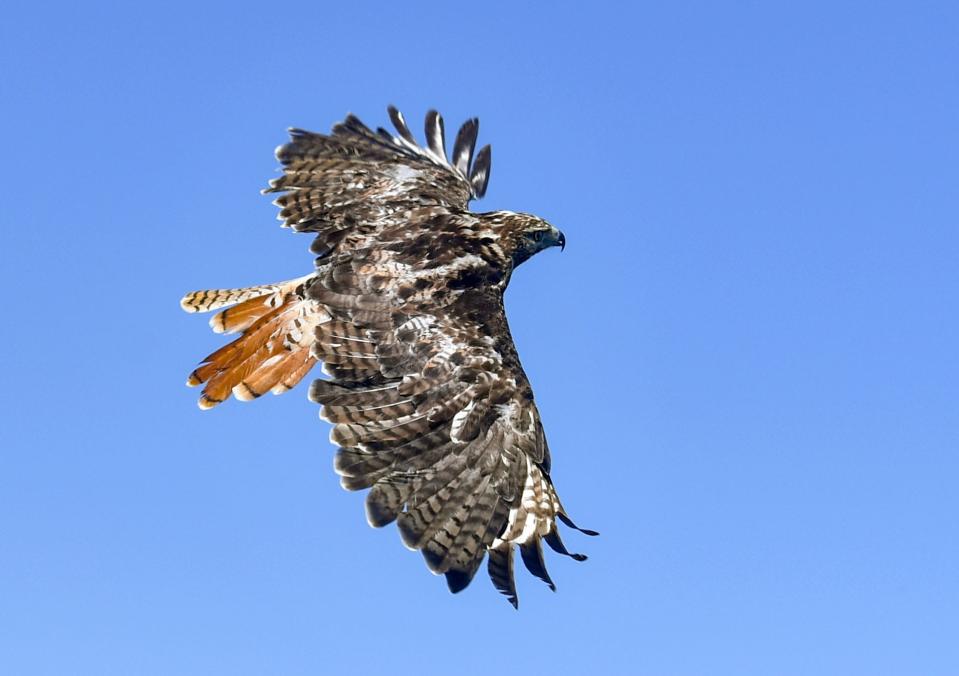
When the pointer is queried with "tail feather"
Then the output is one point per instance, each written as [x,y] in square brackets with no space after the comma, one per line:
[213,299]
[235,354]
[271,373]
[242,316]
[294,376]
[231,374]
[276,322]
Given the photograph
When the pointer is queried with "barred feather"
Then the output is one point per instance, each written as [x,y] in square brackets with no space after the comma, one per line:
[273,351]
[464,145]
[479,175]
[501,572]
[436,135]
[429,404]
[204,301]
[240,317]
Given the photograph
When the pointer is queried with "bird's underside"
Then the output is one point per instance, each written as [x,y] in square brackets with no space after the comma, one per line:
[430,407]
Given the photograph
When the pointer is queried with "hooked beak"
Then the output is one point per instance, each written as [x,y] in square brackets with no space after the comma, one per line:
[561,241]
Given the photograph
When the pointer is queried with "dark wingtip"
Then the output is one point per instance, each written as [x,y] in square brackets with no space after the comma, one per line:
[351,124]
[396,117]
[532,553]
[569,522]
[383,505]
[464,145]
[408,533]
[458,580]
[377,516]
[555,543]
[500,568]
[479,174]
[436,134]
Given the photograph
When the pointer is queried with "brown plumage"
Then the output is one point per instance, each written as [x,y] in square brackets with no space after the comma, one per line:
[430,407]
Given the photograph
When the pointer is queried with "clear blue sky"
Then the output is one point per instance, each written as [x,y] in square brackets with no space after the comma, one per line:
[746,358]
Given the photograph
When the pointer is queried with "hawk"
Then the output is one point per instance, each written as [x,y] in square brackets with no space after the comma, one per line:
[430,407]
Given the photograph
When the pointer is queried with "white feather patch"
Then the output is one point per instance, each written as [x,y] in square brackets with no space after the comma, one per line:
[532,518]
[459,420]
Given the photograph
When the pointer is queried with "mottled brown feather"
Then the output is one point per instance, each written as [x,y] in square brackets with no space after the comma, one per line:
[430,405]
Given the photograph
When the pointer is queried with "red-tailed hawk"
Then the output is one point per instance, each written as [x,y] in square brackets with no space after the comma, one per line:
[430,406]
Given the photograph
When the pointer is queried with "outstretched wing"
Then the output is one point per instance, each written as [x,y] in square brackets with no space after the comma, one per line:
[350,181]
[431,409]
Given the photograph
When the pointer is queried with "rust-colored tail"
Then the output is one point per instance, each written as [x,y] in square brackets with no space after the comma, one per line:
[277,323]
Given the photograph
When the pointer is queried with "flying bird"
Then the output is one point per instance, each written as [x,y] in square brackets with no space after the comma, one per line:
[430,407]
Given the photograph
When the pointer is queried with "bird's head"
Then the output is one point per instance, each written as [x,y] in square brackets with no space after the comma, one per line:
[523,235]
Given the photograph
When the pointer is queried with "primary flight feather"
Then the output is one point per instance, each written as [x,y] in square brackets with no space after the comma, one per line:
[430,407]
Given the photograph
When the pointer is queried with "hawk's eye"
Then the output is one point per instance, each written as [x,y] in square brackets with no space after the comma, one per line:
[539,235]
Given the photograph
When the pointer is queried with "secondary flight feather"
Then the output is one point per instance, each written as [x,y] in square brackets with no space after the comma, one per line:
[430,407]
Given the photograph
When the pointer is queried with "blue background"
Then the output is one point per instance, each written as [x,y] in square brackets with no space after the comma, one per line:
[745,359]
